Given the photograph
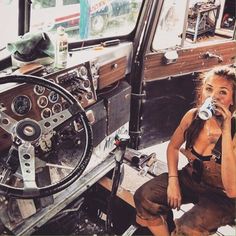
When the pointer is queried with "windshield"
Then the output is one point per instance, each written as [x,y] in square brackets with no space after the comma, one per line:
[85,19]
[82,19]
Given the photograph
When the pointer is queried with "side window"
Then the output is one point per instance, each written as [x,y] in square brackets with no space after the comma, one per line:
[187,22]
[171,24]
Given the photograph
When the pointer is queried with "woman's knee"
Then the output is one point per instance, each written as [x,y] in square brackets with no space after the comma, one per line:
[139,197]
[152,192]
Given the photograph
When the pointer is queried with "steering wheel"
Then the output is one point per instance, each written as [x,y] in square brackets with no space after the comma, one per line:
[26,150]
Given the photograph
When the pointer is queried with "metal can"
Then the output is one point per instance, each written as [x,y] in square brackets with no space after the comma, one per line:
[207,109]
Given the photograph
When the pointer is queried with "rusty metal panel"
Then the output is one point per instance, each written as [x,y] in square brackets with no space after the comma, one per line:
[117,103]
[97,116]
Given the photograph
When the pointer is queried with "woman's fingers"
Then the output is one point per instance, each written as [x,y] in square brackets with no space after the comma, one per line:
[220,106]
[222,110]
[173,196]
[179,204]
[174,202]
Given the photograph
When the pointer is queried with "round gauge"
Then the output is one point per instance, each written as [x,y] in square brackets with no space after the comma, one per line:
[46,112]
[83,72]
[53,97]
[86,83]
[38,89]
[21,105]
[89,95]
[42,101]
[65,105]
[56,108]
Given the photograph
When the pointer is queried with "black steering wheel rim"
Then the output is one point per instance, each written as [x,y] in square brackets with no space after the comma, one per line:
[75,109]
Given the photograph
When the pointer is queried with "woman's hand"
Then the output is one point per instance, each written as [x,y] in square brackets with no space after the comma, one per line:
[226,115]
[173,193]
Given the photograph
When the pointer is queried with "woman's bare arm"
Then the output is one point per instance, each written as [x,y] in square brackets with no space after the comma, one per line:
[176,141]
[173,190]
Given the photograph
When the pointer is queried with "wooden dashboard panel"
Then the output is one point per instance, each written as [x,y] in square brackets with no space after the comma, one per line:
[112,72]
[6,100]
[190,60]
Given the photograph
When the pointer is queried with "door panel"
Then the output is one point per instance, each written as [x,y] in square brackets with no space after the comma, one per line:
[189,60]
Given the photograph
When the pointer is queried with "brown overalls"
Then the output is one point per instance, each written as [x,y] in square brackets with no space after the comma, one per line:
[212,207]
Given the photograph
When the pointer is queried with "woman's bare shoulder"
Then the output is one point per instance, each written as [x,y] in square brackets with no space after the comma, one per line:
[189,115]
[188,118]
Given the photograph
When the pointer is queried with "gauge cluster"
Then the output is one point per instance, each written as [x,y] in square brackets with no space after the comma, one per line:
[80,80]
[38,102]
[48,102]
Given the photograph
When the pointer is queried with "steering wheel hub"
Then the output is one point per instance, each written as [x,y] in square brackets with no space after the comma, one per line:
[28,130]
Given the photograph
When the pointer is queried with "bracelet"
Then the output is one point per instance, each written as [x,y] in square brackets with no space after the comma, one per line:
[175,176]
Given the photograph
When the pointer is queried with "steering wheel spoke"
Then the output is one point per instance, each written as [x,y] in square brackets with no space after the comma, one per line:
[49,124]
[27,164]
[6,122]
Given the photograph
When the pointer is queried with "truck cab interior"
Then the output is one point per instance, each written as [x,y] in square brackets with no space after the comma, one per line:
[65,133]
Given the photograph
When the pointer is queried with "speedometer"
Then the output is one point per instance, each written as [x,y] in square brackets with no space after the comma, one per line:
[21,105]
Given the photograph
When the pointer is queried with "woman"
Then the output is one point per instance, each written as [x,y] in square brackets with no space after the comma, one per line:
[209,180]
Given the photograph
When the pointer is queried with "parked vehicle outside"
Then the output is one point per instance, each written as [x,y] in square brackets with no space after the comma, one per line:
[49,15]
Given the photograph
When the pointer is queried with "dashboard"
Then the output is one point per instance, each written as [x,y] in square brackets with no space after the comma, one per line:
[83,79]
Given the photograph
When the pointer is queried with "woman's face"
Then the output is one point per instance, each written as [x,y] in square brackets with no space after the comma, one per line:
[220,89]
